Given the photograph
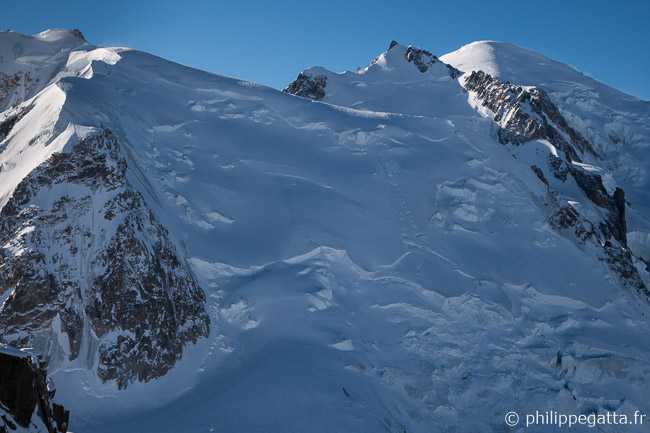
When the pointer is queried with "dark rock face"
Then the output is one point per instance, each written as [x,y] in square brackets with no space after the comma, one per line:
[527,114]
[82,255]
[9,84]
[308,86]
[77,34]
[543,120]
[24,390]
[423,60]
[8,120]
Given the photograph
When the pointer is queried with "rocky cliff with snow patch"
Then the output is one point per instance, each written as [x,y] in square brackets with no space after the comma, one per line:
[88,268]
[527,115]
[26,394]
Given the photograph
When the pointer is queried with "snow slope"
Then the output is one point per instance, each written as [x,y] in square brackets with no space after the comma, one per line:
[617,124]
[28,64]
[391,83]
[377,261]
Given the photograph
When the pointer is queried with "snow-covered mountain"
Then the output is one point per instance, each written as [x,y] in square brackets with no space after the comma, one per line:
[419,242]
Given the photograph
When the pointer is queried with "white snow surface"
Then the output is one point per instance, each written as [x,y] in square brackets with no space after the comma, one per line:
[381,241]
[616,124]
[391,84]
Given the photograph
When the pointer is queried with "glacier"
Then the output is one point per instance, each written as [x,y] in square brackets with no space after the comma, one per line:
[390,249]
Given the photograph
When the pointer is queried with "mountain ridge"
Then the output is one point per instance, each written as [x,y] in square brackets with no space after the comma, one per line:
[414,243]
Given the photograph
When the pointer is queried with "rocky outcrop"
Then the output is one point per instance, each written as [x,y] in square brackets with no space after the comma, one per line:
[77,34]
[307,86]
[313,86]
[26,395]
[8,120]
[85,262]
[11,83]
[525,114]
[423,60]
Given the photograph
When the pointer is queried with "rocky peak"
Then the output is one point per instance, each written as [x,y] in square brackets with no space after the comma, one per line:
[77,34]
[308,86]
[423,60]
[312,83]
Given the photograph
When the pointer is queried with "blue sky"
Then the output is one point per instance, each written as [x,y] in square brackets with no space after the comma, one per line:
[271,42]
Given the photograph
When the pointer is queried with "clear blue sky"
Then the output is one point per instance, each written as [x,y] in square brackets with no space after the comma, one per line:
[271,42]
